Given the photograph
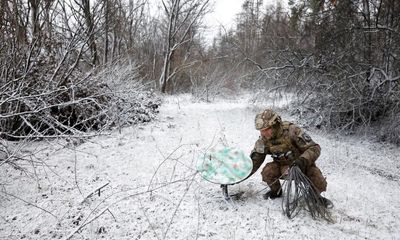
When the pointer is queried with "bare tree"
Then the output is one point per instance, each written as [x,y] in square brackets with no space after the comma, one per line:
[182,21]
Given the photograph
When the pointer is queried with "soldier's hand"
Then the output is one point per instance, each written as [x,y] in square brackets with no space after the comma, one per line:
[301,163]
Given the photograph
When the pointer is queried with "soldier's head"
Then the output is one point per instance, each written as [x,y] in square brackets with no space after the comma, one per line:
[268,122]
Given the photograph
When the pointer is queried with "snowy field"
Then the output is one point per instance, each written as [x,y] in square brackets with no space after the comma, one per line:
[141,183]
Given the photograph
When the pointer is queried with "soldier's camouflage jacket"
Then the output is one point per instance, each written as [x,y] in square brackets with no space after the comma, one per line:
[290,144]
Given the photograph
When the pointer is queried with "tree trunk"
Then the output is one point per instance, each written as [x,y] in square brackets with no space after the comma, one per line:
[170,41]
[106,26]
[90,30]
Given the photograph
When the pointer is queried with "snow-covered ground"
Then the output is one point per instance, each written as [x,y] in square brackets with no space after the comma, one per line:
[149,188]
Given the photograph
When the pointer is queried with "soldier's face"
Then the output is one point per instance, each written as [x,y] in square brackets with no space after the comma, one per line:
[266,133]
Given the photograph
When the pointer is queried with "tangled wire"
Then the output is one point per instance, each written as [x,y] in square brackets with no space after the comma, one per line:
[299,192]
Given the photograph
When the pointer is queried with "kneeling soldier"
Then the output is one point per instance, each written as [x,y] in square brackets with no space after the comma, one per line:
[288,145]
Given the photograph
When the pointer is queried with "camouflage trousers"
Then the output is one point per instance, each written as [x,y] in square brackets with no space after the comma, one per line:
[273,171]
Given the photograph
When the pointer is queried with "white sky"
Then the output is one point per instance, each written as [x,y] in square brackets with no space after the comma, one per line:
[224,13]
[225,10]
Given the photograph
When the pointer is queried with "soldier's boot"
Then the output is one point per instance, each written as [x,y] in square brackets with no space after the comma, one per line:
[326,202]
[272,194]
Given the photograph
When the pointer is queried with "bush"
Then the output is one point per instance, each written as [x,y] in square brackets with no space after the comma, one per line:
[390,129]
[340,97]
[37,104]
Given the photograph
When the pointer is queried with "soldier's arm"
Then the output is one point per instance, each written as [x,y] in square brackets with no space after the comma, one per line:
[309,149]
[257,155]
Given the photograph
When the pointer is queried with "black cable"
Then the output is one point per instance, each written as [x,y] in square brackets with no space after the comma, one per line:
[299,192]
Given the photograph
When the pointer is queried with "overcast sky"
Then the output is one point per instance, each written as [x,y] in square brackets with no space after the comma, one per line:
[224,12]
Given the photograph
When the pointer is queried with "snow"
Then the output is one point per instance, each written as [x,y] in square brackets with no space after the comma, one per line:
[151,189]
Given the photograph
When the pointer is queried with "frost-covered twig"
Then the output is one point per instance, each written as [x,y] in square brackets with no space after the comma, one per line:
[148,220]
[30,204]
[165,160]
[177,207]
[76,170]
[101,212]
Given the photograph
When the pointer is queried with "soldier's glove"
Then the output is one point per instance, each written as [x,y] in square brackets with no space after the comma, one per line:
[301,163]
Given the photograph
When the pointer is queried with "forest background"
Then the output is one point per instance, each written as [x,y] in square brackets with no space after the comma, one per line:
[68,67]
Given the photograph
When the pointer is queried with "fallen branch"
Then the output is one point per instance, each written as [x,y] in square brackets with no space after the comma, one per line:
[94,191]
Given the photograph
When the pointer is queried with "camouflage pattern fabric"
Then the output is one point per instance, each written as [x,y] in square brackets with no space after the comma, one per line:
[266,119]
[291,143]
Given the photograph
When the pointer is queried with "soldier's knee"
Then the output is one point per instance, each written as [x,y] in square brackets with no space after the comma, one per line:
[316,177]
[320,184]
[270,172]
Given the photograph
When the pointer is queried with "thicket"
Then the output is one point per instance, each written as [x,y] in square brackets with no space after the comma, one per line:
[61,76]
[354,72]
[37,104]
[66,67]
[340,58]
